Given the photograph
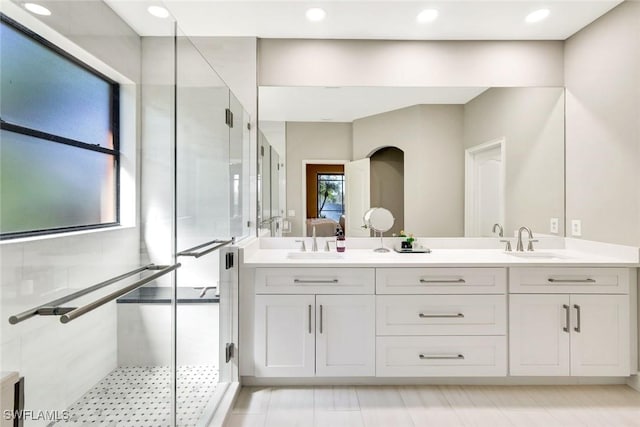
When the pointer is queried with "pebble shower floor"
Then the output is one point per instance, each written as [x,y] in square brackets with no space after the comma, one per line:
[141,397]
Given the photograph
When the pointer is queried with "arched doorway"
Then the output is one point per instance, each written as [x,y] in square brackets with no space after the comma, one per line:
[387,183]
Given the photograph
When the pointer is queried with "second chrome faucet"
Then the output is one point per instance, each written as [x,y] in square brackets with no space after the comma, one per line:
[519,245]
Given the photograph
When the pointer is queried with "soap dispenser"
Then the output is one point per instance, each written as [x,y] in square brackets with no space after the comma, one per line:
[341,244]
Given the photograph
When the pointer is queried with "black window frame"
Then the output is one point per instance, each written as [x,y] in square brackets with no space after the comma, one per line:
[318,179]
[114,107]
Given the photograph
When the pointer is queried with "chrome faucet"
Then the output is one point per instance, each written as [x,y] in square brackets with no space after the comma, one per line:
[519,246]
[314,245]
[499,227]
[303,248]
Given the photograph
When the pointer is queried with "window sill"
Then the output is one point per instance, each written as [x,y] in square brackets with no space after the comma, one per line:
[65,234]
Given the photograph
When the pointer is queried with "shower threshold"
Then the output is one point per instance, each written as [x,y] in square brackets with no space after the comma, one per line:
[141,396]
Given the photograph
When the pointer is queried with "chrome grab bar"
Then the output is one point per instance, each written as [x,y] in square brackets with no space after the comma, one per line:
[194,253]
[77,312]
[69,313]
[51,309]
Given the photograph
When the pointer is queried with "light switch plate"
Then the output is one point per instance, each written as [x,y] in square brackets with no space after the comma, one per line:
[576,228]
[291,213]
[554,225]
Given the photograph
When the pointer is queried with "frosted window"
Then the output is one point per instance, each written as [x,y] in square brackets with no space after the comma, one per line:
[47,185]
[58,144]
[44,91]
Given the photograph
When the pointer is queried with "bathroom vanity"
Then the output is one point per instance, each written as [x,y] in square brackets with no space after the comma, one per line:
[567,311]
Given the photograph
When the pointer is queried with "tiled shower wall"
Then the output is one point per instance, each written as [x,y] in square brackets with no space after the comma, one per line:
[61,362]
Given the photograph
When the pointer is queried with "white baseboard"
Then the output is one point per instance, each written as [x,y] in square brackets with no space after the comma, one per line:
[254,381]
[634,382]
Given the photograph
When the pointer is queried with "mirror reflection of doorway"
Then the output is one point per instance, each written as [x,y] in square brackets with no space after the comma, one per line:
[325,199]
[387,184]
[484,198]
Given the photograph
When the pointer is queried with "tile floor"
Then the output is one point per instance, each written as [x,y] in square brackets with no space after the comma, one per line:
[141,397]
[437,406]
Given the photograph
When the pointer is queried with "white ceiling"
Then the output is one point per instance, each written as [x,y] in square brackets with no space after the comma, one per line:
[377,19]
[345,104]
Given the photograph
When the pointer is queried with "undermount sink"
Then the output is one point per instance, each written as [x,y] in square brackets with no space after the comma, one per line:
[314,255]
[537,255]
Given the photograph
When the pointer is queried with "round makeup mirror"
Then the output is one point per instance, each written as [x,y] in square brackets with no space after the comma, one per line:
[379,220]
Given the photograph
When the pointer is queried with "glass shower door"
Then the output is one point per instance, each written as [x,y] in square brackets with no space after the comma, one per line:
[209,200]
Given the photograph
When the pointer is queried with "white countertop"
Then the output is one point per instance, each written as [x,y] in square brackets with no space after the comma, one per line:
[440,258]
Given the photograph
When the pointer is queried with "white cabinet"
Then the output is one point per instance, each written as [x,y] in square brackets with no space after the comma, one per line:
[309,335]
[600,337]
[561,335]
[345,336]
[448,281]
[442,356]
[441,322]
[315,280]
[285,335]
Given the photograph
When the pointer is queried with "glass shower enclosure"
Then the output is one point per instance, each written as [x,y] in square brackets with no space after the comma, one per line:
[134,324]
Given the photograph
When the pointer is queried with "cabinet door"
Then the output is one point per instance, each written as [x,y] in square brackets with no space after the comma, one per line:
[345,343]
[539,337]
[600,341]
[284,335]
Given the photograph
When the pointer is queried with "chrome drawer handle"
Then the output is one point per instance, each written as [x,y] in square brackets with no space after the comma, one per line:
[435,316]
[577,327]
[315,281]
[443,281]
[552,280]
[441,357]
[567,319]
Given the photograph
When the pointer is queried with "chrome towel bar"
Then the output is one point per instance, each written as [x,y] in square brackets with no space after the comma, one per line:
[52,307]
[194,250]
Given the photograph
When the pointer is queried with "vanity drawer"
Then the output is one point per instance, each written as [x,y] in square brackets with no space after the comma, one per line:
[441,280]
[441,356]
[441,315]
[565,280]
[315,281]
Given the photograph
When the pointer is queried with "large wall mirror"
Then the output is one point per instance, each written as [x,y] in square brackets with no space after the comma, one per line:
[447,162]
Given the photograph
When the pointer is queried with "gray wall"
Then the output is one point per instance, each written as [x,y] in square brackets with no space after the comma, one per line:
[431,138]
[311,141]
[603,127]
[387,184]
[287,62]
[532,122]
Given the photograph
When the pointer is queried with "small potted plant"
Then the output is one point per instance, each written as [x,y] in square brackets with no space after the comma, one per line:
[407,243]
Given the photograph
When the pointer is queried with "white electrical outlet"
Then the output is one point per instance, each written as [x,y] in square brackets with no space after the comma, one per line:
[554,225]
[291,213]
[576,228]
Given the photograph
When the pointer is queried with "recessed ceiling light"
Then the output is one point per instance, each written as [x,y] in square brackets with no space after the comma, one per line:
[315,14]
[37,9]
[537,16]
[427,15]
[158,11]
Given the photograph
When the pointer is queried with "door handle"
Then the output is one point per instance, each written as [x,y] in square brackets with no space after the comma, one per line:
[436,316]
[310,331]
[577,307]
[320,318]
[443,281]
[567,318]
[441,357]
